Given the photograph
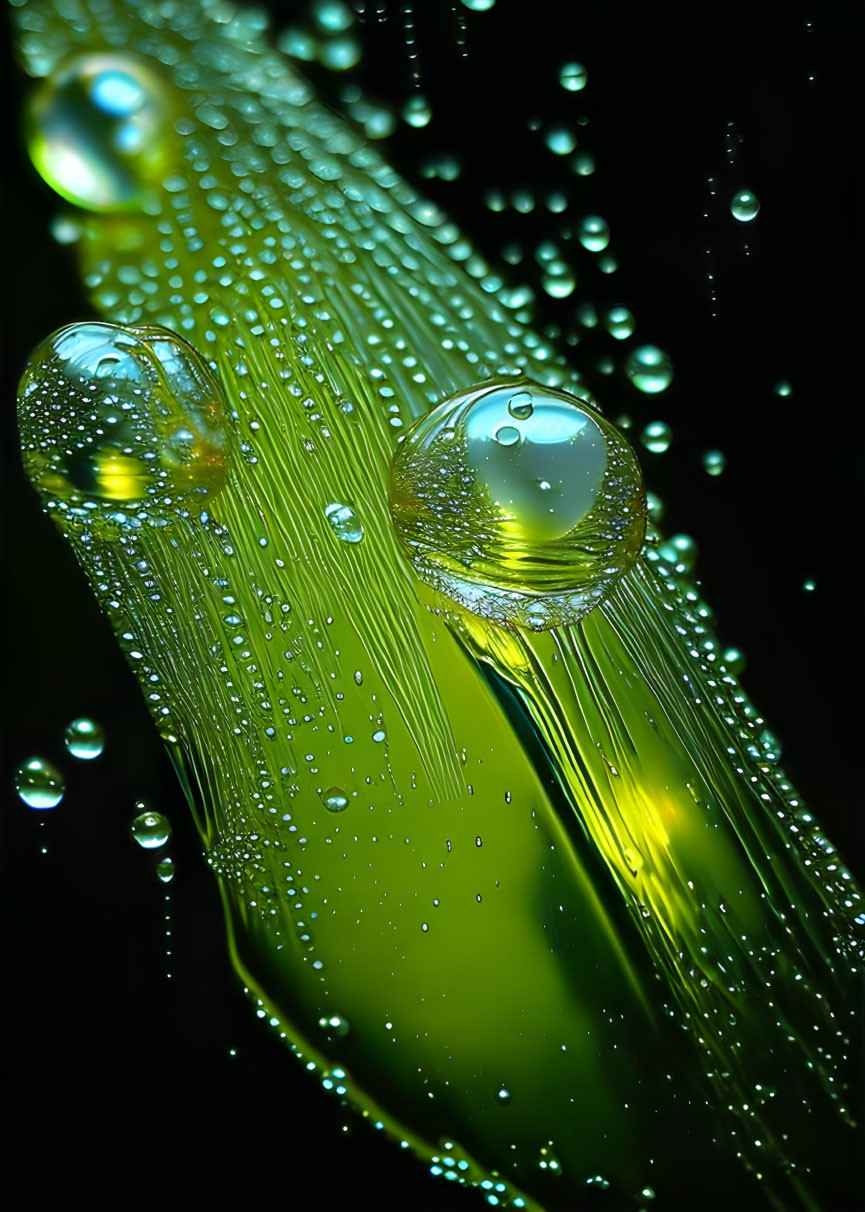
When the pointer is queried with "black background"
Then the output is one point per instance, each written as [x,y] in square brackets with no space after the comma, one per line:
[119,1083]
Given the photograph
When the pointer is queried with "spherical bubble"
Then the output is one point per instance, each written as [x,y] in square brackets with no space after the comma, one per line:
[519,502]
[84,739]
[121,425]
[100,131]
[39,783]
[150,829]
[594,233]
[649,369]
[744,206]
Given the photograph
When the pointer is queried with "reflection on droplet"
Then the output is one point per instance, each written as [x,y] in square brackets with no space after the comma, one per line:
[150,829]
[649,369]
[39,783]
[84,739]
[335,799]
[520,405]
[100,131]
[344,522]
[657,437]
[744,206]
[121,426]
[528,520]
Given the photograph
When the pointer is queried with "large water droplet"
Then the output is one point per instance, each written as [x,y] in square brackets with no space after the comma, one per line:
[150,829]
[529,521]
[100,131]
[649,369]
[335,799]
[344,522]
[744,206]
[520,405]
[573,77]
[560,140]
[594,233]
[121,424]
[39,784]
[84,739]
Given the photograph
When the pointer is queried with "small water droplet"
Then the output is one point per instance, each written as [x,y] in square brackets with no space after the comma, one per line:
[165,869]
[416,111]
[39,783]
[713,462]
[334,1026]
[649,369]
[573,77]
[507,435]
[657,437]
[561,141]
[619,323]
[593,233]
[84,739]
[744,206]
[150,829]
[335,799]
[783,388]
[503,1095]
[344,522]
[520,405]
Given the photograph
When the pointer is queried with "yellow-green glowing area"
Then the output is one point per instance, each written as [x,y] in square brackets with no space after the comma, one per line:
[123,424]
[520,502]
[505,853]
[99,131]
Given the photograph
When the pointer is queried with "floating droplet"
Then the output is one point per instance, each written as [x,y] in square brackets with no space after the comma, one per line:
[583,164]
[657,437]
[649,369]
[39,783]
[150,829]
[734,661]
[594,233]
[121,425]
[783,388]
[680,550]
[416,111]
[331,16]
[344,522]
[619,323]
[84,739]
[165,869]
[340,54]
[335,799]
[744,206]
[573,77]
[526,520]
[520,405]
[561,141]
[334,1026]
[713,462]
[810,585]
[100,131]
[478,6]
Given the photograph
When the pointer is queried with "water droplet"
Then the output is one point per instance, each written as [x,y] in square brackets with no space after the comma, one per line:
[84,739]
[39,783]
[783,388]
[335,799]
[657,437]
[478,525]
[507,435]
[100,131]
[150,829]
[594,233]
[809,586]
[520,405]
[713,462]
[416,111]
[619,323]
[503,1095]
[379,735]
[478,6]
[583,164]
[331,16]
[680,550]
[573,77]
[561,141]
[734,661]
[344,522]
[121,424]
[649,369]
[165,869]
[744,206]
[334,1026]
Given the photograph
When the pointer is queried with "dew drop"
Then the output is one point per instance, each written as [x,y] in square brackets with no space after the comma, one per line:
[84,739]
[39,783]
[649,369]
[150,829]
[657,437]
[507,435]
[744,206]
[478,6]
[344,522]
[520,405]
[165,869]
[100,131]
[335,799]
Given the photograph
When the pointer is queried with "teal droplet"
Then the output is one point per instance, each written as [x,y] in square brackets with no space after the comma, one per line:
[520,405]
[560,140]
[150,829]
[331,16]
[478,6]
[744,206]
[335,799]
[783,388]
[416,111]
[100,131]
[810,585]
[620,323]
[649,369]
[583,164]
[503,1095]
[594,233]
[713,462]
[334,1026]
[39,783]
[340,54]
[734,661]
[657,437]
[165,869]
[680,550]
[344,522]
[84,739]
[573,77]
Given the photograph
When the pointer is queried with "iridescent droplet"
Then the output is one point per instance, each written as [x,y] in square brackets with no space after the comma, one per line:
[39,783]
[649,369]
[84,739]
[150,829]
[344,522]
[657,437]
[331,16]
[734,661]
[100,131]
[744,206]
[335,799]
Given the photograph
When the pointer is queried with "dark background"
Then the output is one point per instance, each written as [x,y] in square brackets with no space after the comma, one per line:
[119,1083]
